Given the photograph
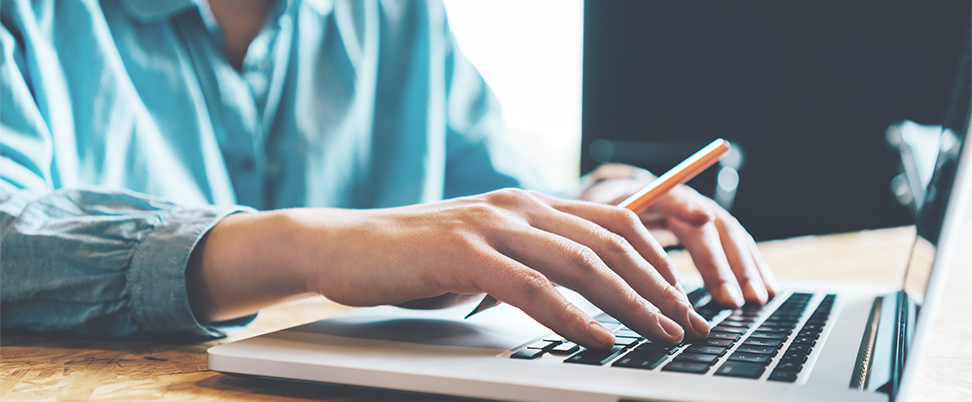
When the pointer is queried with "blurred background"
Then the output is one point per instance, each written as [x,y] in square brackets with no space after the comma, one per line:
[805,90]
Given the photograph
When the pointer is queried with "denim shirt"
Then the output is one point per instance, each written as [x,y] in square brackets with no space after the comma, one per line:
[126,135]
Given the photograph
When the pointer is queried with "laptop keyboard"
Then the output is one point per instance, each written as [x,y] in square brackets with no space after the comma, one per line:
[736,345]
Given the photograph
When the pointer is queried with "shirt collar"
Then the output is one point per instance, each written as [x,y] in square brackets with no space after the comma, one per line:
[155,10]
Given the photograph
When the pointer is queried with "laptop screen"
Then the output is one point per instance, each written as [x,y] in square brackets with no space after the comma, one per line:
[955,125]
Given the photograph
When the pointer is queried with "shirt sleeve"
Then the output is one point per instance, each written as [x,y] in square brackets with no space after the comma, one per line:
[92,261]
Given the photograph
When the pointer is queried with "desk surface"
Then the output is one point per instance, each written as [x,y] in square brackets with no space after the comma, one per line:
[64,369]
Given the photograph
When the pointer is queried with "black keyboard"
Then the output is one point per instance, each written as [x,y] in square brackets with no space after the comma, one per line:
[735,347]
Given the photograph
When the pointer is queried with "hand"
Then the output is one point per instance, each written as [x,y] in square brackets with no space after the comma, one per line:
[511,244]
[726,255]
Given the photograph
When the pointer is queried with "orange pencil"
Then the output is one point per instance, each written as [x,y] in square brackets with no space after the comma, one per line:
[638,202]
[681,173]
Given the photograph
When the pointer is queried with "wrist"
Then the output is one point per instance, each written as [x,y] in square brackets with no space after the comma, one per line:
[245,263]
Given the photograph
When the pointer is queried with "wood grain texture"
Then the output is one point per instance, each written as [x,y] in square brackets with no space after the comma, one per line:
[64,368]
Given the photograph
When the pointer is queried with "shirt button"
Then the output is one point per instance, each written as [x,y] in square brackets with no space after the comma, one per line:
[248,165]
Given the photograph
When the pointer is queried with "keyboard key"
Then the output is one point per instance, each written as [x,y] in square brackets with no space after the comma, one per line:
[724,335]
[654,347]
[734,324]
[805,340]
[750,358]
[714,342]
[697,358]
[740,369]
[763,342]
[782,320]
[627,333]
[774,329]
[625,342]
[795,312]
[711,350]
[543,345]
[595,357]
[808,334]
[729,329]
[565,348]
[740,320]
[641,360]
[604,318]
[696,295]
[799,347]
[783,375]
[792,365]
[759,350]
[686,367]
[795,356]
[784,325]
[768,335]
[527,354]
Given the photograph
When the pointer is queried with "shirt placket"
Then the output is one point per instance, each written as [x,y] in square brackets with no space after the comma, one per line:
[249,110]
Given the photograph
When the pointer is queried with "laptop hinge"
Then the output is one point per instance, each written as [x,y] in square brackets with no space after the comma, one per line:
[862,369]
[905,312]
[884,347]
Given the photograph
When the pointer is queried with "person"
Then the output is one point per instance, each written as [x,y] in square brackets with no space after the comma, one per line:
[174,166]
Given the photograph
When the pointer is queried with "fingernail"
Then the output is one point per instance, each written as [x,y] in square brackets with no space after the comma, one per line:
[734,294]
[671,329]
[774,287]
[699,324]
[758,291]
[600,334]
[737,295]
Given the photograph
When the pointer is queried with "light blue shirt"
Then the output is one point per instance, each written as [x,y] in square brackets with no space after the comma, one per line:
[126,135]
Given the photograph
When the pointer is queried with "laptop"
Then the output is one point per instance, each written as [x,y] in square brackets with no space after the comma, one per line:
[815,341]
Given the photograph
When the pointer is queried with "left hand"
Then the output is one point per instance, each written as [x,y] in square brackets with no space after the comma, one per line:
[732,267]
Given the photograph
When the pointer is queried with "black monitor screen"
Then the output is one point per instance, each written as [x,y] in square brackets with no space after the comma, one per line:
[806,89]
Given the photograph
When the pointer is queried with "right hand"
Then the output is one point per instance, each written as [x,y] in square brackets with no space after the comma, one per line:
[511,244]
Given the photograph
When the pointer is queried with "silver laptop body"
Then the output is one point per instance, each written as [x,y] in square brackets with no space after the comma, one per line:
[868,345]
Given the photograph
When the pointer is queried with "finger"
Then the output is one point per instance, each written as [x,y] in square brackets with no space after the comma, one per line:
[620,256]
[517,285]
[578,267]
[626,224]
[705,247]
[683,204]
[735,242]
[772,286]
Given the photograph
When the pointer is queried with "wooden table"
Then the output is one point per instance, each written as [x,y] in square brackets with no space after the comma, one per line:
[70,369]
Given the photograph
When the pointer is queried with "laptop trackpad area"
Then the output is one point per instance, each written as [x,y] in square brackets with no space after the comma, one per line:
[502,330]
[390,331]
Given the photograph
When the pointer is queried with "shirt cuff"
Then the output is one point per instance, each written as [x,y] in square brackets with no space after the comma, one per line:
[157,276]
